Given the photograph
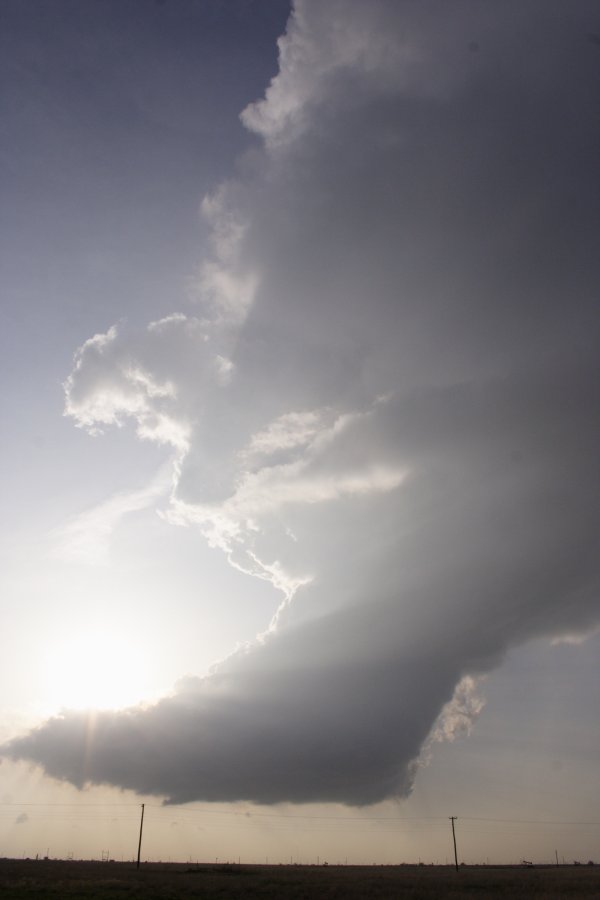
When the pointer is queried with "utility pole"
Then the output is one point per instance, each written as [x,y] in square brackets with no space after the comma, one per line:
[140,843]
[452,818]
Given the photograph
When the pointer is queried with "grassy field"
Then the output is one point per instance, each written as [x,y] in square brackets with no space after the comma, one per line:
[58,879]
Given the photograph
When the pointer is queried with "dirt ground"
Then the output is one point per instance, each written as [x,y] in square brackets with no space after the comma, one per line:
[118,881]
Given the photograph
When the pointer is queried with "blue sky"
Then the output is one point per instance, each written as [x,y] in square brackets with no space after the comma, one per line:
[299,357]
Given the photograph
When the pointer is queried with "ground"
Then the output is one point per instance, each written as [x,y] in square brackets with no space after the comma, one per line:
[42,879]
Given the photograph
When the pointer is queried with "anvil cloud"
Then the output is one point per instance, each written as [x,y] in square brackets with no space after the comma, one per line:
[385,400]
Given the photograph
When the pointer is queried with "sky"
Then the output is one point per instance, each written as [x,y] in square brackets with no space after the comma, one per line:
[300,366]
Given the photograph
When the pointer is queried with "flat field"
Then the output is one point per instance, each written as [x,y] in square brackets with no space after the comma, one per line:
[155,881]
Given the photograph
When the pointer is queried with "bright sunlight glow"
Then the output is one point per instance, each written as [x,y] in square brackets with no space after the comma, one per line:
[94,670]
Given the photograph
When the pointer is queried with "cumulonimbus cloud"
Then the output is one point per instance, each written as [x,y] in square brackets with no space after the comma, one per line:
[386,402]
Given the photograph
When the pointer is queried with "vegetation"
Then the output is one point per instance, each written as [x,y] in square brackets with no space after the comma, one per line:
[20,879]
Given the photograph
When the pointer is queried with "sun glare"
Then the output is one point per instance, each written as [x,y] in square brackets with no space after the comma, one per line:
[93,670]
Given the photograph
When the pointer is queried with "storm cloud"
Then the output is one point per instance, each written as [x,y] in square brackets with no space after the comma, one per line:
[385,400]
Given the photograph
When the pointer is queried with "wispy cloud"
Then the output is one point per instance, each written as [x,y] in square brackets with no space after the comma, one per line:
[86,538]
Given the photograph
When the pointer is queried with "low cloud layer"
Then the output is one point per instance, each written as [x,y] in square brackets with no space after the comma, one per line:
[385,401]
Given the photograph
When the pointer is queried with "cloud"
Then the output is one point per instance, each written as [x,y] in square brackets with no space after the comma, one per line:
[108,385]
[386,404]
[86,538]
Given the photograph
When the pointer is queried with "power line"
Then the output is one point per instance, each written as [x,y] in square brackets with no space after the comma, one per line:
[172,809]
[528,821]
[52,803]
[255,815]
